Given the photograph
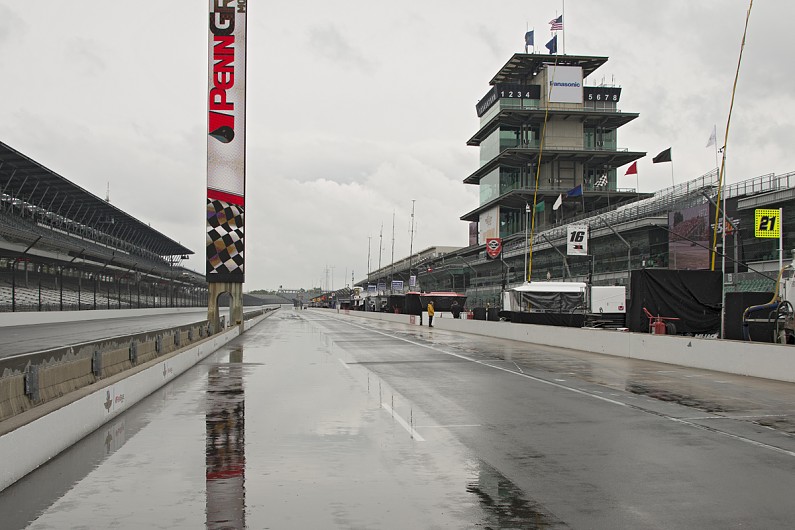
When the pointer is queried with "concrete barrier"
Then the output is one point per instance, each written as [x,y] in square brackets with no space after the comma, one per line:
[768,361]
[24,318]
[60,423]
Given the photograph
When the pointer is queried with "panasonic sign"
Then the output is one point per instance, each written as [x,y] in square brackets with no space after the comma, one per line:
[565,84]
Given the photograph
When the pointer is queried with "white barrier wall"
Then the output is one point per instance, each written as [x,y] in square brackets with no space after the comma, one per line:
[29,446]
[768,361]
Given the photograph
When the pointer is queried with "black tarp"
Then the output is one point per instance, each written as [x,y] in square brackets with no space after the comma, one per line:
[692,296]
[413,304]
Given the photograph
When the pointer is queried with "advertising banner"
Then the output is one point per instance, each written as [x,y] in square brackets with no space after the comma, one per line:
[577,240]
[226,140]
[397,285]
[489,225]
[689,238]
[565,84]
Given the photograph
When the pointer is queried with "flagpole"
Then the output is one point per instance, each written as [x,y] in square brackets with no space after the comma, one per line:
[526,225]
[563,29]
[723,267]
[726,135]
[673,182]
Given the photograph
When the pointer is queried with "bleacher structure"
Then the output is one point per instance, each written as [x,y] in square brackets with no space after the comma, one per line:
[64,248]
[645,224]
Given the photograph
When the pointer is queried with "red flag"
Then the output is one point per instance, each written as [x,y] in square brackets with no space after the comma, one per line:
[632,170]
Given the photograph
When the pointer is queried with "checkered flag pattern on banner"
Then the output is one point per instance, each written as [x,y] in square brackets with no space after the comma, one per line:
[224,238]
[602,182]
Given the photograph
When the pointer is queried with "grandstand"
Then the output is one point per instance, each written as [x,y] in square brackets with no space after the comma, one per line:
[64,248]
[648,225]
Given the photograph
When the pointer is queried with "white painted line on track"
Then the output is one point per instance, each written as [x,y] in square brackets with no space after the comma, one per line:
[403,423]
[448,426]
[581,392]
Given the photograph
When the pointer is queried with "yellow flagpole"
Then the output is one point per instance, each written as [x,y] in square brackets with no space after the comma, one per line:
[714,249]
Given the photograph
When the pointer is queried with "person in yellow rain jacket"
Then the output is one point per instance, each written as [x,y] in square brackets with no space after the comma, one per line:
[430,314]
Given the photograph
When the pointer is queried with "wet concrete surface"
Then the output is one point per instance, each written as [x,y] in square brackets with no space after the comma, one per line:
[312,421]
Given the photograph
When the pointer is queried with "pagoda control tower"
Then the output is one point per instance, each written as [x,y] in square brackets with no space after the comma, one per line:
[580,152]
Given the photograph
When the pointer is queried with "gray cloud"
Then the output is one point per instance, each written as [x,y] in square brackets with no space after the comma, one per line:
[369,108]
[329,42]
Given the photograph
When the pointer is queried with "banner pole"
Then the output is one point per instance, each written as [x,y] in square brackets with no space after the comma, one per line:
[780,239]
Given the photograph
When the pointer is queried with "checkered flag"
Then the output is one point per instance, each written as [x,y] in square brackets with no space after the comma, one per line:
[602,182]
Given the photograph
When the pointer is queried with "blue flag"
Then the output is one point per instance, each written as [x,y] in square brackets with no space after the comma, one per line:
[528,38]
[552,45]
[575,192]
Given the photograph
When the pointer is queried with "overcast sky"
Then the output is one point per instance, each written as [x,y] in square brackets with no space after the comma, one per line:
[356,108]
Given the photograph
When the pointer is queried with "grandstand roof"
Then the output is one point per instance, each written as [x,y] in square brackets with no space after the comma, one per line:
[24,178]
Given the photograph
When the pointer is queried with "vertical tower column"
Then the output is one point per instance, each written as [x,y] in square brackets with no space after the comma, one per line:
[235,292]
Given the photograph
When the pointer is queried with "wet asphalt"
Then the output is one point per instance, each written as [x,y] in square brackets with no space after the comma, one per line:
[314,420]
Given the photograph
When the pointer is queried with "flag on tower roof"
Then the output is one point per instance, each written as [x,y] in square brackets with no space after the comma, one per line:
[552,45]
[556,23]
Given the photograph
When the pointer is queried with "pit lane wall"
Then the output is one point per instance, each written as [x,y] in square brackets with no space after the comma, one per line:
[768,361]
[30,439]
[25,318]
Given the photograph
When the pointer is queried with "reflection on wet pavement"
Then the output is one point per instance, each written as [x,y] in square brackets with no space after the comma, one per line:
[674,397]
[315,430]
[505,505]
[759,401]
[225,444]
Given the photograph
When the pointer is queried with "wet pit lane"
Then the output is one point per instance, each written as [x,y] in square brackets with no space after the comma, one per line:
[309,421]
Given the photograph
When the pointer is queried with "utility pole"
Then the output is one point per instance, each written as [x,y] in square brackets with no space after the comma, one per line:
[380,244]
[392,270]
[368,256]
[411,243]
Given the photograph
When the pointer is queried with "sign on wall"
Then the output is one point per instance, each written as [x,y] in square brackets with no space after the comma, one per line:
[226,141]
[767,223]
[565,84]
[577,240]
[493,247]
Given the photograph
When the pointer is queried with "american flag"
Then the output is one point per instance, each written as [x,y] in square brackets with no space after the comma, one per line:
[602,181]
[557,23]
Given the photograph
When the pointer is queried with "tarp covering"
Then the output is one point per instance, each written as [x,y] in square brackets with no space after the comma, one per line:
[548,301]
[692,296]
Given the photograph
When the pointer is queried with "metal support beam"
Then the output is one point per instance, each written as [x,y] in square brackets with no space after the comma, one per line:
[565,258]
[629,250]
